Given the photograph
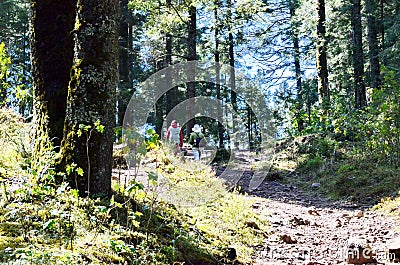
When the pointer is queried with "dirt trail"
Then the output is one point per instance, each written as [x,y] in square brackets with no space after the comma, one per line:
[307,229]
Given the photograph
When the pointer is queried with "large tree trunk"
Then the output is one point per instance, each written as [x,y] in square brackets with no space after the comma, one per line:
[159,105]
[125,46]
[52,50]
[231,55]
[358,56]
[232,74]
[322,64]
[171,95]
[373,29]
[381,24]
[192,54]
[92,96]
[296,54]
[217,71]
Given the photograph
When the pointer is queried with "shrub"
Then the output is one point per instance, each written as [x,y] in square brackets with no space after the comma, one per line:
[313,163]
[15,143]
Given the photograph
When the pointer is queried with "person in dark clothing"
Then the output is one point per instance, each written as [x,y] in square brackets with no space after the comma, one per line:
[197,140]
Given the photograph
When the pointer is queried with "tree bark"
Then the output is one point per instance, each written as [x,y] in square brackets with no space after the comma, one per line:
[297,67]
[159,105]
[322,63]
[125,46]
[92,96]
[170,95]
[358,56]
[232,74]
[373,54]
[217,5]
[52,50]
[231,57]
[192,54]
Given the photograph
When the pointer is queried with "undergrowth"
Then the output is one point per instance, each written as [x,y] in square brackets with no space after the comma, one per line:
[343,170]
[46,223]
[15,145]
[389,205]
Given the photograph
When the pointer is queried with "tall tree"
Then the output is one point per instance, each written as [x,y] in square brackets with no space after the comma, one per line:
[92,96]
[371,7]
[191,56]
[170,96]
[14,24]
[231,54]
[5,62]
[125,64]
[52,55]
[358,56]
[232,74]
[293,4]
[322,63]
[217,5]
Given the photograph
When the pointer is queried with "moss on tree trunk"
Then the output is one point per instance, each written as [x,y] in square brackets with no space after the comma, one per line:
[52,56]
[92,96]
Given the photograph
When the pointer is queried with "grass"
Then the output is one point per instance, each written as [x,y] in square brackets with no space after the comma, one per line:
[43,223]
[225,219]
[14,141]
[230,223]
[389,205]
[343,171]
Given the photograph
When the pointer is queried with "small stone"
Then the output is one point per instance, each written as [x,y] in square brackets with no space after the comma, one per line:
[252,224]
[360,214]
[315,186]
[287,239]
[313,212]
[299,221]
[231,253]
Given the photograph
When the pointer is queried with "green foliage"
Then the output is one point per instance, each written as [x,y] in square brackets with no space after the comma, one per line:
[389,205]
[375,130]
[224,217]
[345,168]
[313,163]
[293,108]
[15,155]
[5,62]
[317,145]
[46,222]
[381,128]
[151,139]
[14,22]
[229,222]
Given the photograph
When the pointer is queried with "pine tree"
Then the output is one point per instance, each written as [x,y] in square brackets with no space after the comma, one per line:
[92,97]
[358,56]
[52,56]
[322,63]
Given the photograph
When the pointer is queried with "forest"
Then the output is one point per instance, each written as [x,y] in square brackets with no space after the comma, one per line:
[199,132]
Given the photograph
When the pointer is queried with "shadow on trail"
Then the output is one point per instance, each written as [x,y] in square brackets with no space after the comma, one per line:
[309,229]
[287,193]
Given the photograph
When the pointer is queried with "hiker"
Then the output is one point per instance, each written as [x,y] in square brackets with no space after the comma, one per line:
[175,136]
[196,140]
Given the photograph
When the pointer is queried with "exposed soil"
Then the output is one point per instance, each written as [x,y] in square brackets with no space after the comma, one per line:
[308,229]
